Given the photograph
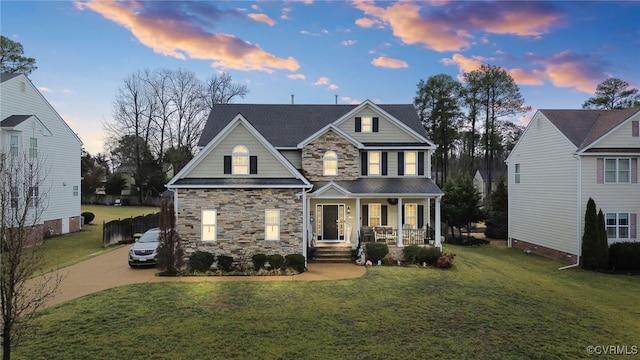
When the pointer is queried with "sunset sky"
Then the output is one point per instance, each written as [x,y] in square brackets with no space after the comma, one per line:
[556,51]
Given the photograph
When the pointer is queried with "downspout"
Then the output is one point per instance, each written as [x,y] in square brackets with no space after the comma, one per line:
[578,215]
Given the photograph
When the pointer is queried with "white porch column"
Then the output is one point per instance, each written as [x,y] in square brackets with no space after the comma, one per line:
[305,223]
[399,232]
[429,212]
[438,223]
[358,222]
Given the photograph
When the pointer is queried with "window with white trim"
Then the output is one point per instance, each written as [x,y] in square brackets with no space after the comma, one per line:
[330,163]
[617,170]
[13,149]
[33,148]
[34,193]
[411,215]
[272,224]
[617,225]
[517,174]
[209,225]
[411,163]
[374,163]
[375,215]
[240,160]
[367,124]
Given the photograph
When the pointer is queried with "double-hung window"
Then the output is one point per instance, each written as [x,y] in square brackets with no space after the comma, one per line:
[410,163]
[617,225]
[617,170]
[13,149]
[209,225]
[272,224]
[240,160]
[33,196]
[33,148]
[375,215]
[517,174]
[367,125]
[374,163]
[411,215]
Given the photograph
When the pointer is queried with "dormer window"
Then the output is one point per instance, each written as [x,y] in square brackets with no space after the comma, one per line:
[366,125]
[240,160]
[330,163]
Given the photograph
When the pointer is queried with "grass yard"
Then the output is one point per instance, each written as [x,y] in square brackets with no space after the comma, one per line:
[69,249]
[495,303]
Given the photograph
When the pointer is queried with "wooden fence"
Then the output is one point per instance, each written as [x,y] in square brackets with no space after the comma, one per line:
[122,230]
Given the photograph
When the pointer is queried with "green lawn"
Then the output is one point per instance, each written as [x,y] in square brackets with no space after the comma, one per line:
[494,304]
[69,249]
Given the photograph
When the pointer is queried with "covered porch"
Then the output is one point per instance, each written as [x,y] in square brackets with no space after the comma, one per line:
[339,216]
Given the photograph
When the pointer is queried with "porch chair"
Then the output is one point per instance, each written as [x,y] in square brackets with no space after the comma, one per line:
[366,234]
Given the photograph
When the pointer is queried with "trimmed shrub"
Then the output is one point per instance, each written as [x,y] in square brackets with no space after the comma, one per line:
[276,261]
[258,261]
[624,256]
[445,261]
[200,261]
[415,254]
[376,251]
[295,261]
[88,217]
[225,263]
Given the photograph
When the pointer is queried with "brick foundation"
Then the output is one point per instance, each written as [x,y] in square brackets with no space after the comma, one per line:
[561,256]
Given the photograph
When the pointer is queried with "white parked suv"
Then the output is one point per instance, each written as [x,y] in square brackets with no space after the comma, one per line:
[145,249]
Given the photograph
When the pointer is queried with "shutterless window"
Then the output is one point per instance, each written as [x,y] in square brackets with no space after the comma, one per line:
[209,225]
[272,224]
[410,163]
[617,170]
[14,145]
[330,163]
[33,195]
[33,148]
[367,124]
[617,225]
[240,160]
[374,163]
[75,190]
[517,173]
[375,214]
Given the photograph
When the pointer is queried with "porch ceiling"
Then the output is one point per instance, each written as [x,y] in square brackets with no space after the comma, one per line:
[387,185]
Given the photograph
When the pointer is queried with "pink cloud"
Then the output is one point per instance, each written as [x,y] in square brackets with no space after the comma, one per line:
[322,81]
[387,62]
[296,77]
[263,18]
[172,33]
[451,28]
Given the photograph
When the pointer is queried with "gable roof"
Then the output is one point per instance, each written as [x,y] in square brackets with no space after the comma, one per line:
[286,126]
[14,120]
[584,127]
[7,76]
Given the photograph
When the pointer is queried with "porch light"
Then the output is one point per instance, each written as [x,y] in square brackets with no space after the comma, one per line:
[348,209]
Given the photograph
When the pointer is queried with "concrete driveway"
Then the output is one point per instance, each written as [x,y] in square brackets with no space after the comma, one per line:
[111,270]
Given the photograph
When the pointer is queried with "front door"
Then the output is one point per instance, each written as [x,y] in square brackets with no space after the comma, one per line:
[329,219]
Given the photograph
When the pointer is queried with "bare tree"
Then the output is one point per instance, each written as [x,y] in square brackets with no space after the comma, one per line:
[222,90]
[187,93]
[22,202]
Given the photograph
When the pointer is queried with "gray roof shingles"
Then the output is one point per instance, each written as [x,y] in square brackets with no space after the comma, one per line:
[288,125]
[583,127]
[14,120]
[388,185]
[240,183]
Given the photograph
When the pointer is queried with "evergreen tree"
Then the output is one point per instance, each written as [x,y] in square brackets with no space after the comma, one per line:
[603,242]
[461,204]
[497,217]
[595,253]
[613,93]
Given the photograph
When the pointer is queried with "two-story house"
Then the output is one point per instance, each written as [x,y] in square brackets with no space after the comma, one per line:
[563,158]
[276,178]
[31,127]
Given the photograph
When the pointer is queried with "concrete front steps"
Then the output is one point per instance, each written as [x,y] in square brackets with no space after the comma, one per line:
[332,254]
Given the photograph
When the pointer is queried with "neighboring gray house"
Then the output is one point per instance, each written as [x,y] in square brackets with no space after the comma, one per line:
[276,178]
[30,125]
[481,182]
[563,158]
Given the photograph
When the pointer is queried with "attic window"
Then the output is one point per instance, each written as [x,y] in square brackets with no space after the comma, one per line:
[240,160]
[366,124]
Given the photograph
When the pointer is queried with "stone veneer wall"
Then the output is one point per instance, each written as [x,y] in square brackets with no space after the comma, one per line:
[241,220]
[348,158]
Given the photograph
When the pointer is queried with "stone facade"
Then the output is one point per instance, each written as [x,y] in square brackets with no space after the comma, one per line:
[241,220]
[348,158]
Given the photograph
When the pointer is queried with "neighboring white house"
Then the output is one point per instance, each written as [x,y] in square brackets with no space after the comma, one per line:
[31,125]
[481,182]
[563,158]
